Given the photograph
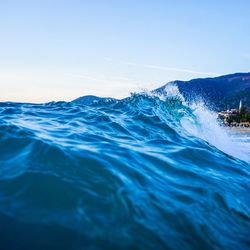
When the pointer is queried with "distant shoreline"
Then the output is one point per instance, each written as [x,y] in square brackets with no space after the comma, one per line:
[242,130]
[236,125]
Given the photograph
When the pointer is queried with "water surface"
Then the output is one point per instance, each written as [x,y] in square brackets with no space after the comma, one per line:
[142,173]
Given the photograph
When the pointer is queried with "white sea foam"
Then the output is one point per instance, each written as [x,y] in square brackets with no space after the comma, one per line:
[206,127]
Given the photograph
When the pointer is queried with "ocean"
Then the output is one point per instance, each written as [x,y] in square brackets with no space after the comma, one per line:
[146,172]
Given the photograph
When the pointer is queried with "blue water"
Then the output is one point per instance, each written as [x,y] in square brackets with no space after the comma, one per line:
[132,174]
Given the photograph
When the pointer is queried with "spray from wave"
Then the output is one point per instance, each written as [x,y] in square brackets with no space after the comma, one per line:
[146,172]
[203,123]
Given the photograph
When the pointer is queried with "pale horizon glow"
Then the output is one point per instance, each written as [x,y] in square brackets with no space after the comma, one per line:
[60,50]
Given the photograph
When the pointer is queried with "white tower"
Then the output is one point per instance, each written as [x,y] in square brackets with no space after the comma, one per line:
[240,106]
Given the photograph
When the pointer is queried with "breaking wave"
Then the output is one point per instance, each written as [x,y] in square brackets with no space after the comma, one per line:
[146,172]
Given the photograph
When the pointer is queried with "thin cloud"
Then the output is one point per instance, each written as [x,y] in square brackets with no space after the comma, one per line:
[149,66]
[105,79]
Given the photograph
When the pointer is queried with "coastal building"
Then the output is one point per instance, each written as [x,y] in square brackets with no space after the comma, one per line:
[244,124]
[240,107]
[235,117]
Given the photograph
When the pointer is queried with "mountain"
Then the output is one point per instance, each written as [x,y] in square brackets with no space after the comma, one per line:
[91,99]
[219,93]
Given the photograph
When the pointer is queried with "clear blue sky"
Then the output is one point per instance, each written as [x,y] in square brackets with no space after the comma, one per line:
[59,50]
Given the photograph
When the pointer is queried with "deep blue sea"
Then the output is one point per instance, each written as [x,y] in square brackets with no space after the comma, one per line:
[141,173]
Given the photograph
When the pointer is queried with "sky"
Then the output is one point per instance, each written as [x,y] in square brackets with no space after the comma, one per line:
[52,50]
